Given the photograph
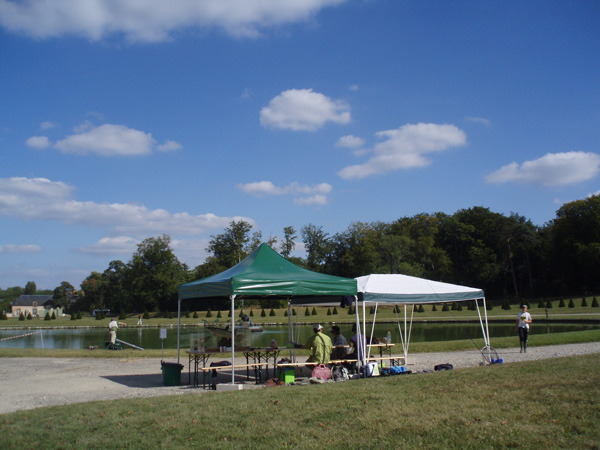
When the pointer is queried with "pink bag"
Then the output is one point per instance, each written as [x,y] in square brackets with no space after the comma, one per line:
[321,371]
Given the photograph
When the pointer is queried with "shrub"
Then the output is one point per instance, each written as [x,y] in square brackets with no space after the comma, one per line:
[334,310]
[445,307]
[434,308]
[541,303]
[350,312]
[187,314]
[229,313]
[595,303]
[272,313]
[372,310]
[3,316]
[294,312]
[454,307]
[78,315]
[169,315]
[328,311]
[285,314]
[549,304]
[583,302]
[251,313]
[263,313]
[48,317]
[421,309]
[146,315]
[458,307]
[73,317]
[219,316]
[571,303]
[488,305]
[29,316]
[314,311]
[195,315]
[561,304]
[123,315]
[22,317]
[505,305]
[307,312]
[208,313]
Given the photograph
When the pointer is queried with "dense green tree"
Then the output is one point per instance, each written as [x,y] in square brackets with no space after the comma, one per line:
[288,245]
[153,276]
[576,245]
[317,245]
[231,247]
[30,288]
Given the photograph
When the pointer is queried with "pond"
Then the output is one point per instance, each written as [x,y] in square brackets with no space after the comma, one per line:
[149,338]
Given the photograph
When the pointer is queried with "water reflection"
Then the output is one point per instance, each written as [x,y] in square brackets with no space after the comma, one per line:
[149,338]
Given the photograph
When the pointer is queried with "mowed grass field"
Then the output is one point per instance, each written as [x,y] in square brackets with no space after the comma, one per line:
[546,404]
[321,314]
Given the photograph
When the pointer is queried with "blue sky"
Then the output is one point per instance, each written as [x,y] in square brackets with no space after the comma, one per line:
[122,120]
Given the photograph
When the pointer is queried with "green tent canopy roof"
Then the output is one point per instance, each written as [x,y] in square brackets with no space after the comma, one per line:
[265,273]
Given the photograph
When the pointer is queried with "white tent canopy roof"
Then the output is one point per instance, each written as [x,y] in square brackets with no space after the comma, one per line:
[395,288]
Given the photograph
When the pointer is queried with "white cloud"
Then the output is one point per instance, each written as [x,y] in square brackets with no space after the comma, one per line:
[350,141]
[353,87]
[38,142]
[169,146]
[318,200]
[481,120]
[110,140]
[552,169]
[27,248]
[593,193]
[303,109]
[48,125]
[405,147]
[42,199]
[112,245]
[151,20]
[305,195]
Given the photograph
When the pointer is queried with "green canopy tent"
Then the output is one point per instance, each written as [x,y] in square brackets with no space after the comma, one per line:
[264,274]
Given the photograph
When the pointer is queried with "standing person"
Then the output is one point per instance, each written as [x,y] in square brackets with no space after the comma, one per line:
[523,321]
[339,343]
[113,326]
[321,346]
[140,320]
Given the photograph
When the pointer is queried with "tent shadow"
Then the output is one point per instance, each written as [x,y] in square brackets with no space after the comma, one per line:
[137,381]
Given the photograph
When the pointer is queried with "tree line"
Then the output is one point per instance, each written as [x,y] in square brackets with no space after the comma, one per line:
[506,256]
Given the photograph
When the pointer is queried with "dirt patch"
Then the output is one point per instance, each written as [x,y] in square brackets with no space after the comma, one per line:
[27,383]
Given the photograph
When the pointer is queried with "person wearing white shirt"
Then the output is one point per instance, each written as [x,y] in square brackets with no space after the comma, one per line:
[523,321]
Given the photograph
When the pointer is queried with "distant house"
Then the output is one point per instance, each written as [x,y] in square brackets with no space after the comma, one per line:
[36,305]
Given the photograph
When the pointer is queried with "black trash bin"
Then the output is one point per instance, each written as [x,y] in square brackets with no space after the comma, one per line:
[171,373]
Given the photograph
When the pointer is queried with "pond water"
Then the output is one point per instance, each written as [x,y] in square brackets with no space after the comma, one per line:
[149,338]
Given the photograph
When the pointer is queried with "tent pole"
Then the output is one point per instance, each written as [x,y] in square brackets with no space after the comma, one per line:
[291,329]
[178,325]
[372,330]
[233,339]
[364,339]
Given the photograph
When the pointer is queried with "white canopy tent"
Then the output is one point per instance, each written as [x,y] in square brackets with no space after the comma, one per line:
[407,290]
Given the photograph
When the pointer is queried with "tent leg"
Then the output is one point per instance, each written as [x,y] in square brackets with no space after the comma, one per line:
[178,325]
[233,339]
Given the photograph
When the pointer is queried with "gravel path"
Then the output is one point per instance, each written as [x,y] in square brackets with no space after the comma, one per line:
[27,383]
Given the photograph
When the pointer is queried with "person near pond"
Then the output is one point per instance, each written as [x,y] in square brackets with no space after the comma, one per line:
[339,343]
[321,346]
[113,326]
[140,320]
[358,345]
[523,321]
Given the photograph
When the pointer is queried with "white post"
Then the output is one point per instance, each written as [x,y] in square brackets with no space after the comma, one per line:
[178,325]
[233,339]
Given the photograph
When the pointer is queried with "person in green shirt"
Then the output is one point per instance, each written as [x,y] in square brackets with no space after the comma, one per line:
[321,346]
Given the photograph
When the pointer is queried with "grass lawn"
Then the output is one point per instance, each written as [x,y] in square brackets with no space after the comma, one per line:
[385,313]
[546,404]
